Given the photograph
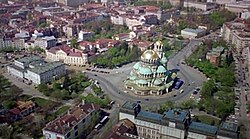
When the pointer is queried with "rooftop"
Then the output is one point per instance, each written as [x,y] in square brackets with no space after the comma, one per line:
[27,60]
[149,115]
[229,126]
[129,105]
[178,115]
[62,125]
[44,67]
[198,30]
[204,128]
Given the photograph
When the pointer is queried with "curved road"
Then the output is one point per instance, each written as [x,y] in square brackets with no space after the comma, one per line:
[112,83]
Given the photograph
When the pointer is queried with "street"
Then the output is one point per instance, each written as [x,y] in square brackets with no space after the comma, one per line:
[112,83]
[243,107]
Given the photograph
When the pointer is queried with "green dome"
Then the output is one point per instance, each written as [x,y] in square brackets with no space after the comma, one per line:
[157,82]
[141,81]
[137,66]
[161,69]
[132,78]
[164,60]
[145,71]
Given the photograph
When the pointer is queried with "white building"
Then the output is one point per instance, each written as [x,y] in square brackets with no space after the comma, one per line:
[35,70]
[72,3]
[83,35]
[45,42]
[173,124]
[73,124]
[245,14]
[17,43]
[199,5]
[67,55]
[238,6]
[189,33]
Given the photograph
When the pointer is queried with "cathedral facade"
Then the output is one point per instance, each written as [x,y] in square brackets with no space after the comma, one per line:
[150,76]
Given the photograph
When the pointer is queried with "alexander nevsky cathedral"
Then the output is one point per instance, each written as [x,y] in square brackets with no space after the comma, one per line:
[150,76]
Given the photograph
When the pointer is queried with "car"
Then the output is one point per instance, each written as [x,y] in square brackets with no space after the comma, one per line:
[181,91]
[95,75]
[147,99]
[178,64]
[195,92]
[138,101]
[112,102]
[174,95]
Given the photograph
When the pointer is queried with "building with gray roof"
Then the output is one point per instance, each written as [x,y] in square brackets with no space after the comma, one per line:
[173,124]
[34,69]
[189,33]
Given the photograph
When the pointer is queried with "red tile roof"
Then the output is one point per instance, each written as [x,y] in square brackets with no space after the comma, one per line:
[66,49]
[62,125]
[15,111]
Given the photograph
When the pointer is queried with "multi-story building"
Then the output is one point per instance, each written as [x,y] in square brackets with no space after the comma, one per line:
[237,33]
[172,124]
[72,3]
[67,55]
[189,33]
[199,5]
[34,69]
[125,129]
[245,14]
[214,56]
[84,34]
[17,43]
[22,109]
[45,42]
[73,124]
[238,6]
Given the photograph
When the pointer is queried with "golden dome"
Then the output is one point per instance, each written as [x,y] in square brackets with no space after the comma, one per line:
[149,55]
[159,43]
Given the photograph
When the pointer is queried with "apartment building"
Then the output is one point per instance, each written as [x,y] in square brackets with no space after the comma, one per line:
[237,33]
[45,42]
[199,5]
[72,3]
[22,109]
[172,124]
[16,43]
[73,124]
[238,6]
[67,55]
[35,70]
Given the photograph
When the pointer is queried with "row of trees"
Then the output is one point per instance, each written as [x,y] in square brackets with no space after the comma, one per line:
[67,88]
[8,93]
[117,56]
[106,30]
[162,4]
[217,96]
[213,21]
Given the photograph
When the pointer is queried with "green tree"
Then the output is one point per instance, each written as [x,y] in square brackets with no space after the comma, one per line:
[73,43]
[5,131]
[43,88]
[188,104]
[165,106]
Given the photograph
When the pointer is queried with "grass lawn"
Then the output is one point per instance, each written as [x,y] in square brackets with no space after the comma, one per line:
[24,97]
[207,119]
[63,109]
[42,102]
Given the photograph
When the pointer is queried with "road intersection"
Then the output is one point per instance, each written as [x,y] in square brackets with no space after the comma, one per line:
[112,83]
